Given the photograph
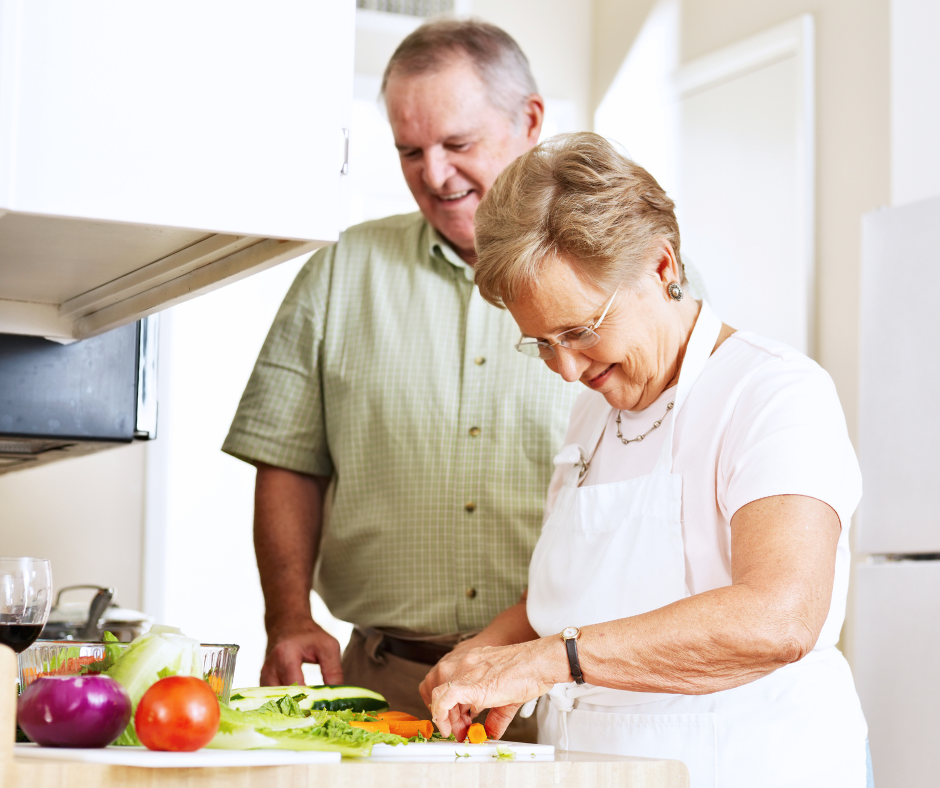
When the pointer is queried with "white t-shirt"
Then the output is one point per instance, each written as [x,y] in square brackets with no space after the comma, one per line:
[762,420]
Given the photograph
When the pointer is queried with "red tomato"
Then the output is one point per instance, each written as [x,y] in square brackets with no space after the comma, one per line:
[179,713]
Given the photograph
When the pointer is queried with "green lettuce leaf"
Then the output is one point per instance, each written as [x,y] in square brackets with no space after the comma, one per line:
[322,730]
[286,705]
[162,652]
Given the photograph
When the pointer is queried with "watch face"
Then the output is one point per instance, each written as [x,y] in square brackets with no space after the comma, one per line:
[569,632]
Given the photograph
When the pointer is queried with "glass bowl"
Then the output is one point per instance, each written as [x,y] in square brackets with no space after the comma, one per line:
[73,658]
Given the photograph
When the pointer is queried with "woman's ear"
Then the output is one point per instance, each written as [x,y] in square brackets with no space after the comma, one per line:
[667,267]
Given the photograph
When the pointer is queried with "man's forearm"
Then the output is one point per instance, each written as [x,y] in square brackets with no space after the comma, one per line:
[288,516]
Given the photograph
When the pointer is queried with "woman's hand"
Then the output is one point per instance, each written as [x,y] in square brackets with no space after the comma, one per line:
[500,679]
[446,669]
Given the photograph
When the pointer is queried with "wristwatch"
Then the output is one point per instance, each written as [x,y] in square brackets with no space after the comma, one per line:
[570,635]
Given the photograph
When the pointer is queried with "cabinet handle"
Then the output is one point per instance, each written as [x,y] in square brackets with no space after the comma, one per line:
[344,170]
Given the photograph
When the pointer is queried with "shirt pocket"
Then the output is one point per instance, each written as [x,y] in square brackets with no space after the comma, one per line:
[689,738]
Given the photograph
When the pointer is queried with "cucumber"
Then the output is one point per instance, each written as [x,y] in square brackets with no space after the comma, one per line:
[326,697]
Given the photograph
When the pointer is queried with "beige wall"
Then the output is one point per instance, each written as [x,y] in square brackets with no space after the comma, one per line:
[615,25]
[556,37]
[852,133]
[85,514]
[915,100]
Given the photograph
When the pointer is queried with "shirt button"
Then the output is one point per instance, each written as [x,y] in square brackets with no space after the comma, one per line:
[474,432]
[471,593]
[470,507]
[479,360]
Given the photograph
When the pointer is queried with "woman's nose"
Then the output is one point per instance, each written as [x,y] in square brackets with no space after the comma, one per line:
[569,363]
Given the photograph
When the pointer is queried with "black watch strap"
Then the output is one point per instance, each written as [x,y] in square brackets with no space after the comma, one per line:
[571,644]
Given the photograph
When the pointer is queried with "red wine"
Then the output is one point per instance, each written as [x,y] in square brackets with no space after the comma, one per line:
[19,637]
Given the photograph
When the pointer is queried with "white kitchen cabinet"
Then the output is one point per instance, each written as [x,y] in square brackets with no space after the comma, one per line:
[151,151]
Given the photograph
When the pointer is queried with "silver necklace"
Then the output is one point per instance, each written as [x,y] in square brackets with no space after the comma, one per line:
[638,438]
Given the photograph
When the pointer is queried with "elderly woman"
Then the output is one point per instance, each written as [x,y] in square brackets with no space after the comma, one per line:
[689,584]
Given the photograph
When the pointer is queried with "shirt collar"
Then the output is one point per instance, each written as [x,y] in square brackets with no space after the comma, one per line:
[439,247]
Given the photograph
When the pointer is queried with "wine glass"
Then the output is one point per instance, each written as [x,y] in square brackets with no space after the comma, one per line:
[25,599]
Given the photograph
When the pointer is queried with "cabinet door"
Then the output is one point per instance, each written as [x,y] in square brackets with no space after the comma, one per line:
[221,116]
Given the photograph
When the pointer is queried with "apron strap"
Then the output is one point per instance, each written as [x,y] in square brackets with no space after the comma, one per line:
[580,456]
[704,336]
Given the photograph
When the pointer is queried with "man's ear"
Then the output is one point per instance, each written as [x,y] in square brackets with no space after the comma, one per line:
[533,113]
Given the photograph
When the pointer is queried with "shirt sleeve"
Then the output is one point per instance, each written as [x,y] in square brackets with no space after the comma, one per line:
[281,417]
[788,436]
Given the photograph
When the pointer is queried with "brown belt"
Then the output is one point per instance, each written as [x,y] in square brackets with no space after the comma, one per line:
[413,650]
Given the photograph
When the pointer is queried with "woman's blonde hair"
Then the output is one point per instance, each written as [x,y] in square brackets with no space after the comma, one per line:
[576,196]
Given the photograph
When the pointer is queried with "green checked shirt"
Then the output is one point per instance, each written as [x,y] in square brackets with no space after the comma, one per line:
[386,370]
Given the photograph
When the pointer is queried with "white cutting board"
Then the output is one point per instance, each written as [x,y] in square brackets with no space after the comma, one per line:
[141,756]
[461,751]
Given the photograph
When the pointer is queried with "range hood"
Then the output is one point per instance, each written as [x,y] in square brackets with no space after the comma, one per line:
[67,279]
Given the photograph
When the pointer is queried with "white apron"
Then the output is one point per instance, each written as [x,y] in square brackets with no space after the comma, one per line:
[611,551]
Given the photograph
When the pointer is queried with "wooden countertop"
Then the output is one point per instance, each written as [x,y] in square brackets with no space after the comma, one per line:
[571,769]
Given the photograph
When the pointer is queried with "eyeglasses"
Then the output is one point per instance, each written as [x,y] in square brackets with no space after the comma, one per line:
[580,338]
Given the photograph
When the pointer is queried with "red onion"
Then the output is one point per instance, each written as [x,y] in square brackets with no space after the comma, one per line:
[74,711]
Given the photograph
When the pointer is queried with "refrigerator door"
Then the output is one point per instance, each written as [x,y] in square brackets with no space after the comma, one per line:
[899,381]
[897,668]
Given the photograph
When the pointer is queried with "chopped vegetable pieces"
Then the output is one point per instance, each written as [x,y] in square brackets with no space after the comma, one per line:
[476,734]
[323,696]
[373,727]
[388,716]
[411,728]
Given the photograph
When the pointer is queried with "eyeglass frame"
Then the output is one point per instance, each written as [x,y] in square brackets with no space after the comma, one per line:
[525,341]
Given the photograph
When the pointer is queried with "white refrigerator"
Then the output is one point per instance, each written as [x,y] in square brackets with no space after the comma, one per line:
[897,587]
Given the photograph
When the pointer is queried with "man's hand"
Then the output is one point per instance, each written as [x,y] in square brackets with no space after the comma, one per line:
[288,514]
[289,648]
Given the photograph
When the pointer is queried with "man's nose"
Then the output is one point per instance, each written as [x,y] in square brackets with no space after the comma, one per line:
[570,364]
[437,169]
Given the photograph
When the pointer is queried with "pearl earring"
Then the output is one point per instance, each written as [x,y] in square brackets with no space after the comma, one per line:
[675,292]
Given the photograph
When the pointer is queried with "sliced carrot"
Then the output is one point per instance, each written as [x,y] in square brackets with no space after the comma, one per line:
[395,715]
[409,728]
[215,681]
[476,734]
[372,727]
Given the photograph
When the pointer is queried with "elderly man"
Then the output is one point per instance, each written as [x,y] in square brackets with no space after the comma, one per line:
[403,446]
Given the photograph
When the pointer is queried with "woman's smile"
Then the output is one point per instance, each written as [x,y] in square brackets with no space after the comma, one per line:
[599,380]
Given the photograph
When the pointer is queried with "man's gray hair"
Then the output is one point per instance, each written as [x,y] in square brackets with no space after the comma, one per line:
[495,55]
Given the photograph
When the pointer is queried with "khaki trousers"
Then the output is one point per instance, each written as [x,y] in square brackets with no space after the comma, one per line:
[398,679]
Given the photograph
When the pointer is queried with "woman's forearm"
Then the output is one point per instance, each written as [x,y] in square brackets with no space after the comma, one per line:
[706,643]
[783,552]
